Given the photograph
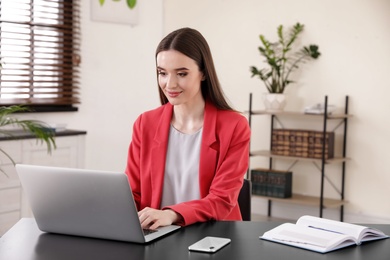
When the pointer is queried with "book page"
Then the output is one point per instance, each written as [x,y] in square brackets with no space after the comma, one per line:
[308,238]
[372,234]
[332,226]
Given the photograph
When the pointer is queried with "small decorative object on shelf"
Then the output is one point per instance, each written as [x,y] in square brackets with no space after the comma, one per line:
[272,183]
[302,143]
[319,109]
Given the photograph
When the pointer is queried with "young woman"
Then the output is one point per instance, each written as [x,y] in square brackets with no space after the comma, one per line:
[187,158]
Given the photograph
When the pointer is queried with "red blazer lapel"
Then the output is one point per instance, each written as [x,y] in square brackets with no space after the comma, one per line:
[159,153]
[209,150]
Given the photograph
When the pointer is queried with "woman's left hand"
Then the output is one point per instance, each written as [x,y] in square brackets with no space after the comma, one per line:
[154,218]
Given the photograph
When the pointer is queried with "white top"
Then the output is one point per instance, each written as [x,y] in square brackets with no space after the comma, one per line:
[181,178]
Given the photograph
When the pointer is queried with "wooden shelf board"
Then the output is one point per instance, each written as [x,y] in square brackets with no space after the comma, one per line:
[268,154]
[298,114]
[306,200]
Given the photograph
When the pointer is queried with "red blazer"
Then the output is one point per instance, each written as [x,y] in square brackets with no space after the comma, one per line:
[224,159]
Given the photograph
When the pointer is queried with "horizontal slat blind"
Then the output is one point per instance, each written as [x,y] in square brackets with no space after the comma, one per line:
[39,50]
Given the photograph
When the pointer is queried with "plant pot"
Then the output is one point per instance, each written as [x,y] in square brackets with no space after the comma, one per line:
[274,101]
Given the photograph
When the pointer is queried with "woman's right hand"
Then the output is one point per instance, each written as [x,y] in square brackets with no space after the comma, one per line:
[154,218]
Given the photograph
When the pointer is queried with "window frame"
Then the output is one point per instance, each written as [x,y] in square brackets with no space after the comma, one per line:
[46,79]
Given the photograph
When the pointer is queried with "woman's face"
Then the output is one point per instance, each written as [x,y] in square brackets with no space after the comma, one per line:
[179,77]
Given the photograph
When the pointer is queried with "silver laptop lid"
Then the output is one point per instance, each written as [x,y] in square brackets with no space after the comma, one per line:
[81,202]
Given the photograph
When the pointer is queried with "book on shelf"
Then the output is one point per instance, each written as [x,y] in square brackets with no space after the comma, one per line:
[302,143]
[321,235]
[272,183]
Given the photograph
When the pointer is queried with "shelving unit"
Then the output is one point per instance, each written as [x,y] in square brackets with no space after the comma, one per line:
[319,201]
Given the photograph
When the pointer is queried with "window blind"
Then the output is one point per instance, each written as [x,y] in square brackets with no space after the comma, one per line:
[40,52]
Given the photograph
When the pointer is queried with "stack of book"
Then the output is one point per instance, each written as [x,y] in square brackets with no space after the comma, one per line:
[302,143]
[273,183]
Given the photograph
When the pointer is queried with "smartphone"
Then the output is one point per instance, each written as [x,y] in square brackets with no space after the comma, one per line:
[209,244]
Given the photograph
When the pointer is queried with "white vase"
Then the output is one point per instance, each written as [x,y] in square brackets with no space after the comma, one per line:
[274,101]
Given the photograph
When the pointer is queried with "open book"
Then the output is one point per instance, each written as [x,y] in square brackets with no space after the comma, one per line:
[321,235]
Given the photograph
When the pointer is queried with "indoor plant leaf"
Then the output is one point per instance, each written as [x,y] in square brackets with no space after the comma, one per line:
[131,3]
[40,130]
[281,58]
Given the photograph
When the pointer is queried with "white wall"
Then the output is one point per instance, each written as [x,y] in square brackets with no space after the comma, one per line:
[354,40]
[118,82]
[119,59]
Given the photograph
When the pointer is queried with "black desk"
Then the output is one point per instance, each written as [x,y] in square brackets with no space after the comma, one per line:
[25,241]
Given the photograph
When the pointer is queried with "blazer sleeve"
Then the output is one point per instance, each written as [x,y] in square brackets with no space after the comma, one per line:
[133,162]
[220,203]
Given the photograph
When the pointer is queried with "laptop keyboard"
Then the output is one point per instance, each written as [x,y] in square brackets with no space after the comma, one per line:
[149,231]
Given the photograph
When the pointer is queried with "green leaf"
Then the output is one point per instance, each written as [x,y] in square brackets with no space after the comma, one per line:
[264,41]
[101,2]
[39,129]
[254,71]
[280,34]
[131,3]
[314,53]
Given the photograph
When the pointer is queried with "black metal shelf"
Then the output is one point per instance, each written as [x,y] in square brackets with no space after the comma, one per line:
[320,200]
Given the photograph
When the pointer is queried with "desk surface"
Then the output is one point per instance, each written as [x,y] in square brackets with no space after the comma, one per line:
[25,241]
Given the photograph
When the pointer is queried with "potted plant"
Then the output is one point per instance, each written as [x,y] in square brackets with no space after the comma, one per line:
[12,127]
[282,59]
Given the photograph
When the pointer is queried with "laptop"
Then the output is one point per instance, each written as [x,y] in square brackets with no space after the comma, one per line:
[83,202]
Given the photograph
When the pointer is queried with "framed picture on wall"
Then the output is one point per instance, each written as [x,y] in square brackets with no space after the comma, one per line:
[115,11]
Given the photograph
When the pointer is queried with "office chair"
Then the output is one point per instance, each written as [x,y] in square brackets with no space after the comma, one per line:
[244,200]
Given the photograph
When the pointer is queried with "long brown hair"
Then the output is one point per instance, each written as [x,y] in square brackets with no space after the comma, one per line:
[191,43]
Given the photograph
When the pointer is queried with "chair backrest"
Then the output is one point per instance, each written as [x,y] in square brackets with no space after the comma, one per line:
[244,200]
